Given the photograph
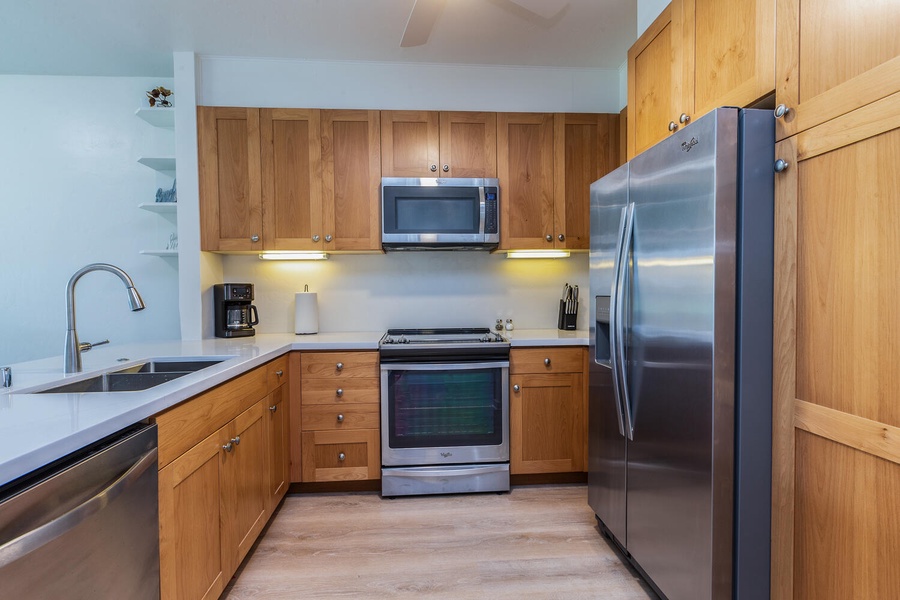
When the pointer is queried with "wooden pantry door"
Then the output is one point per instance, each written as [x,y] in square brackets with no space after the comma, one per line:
[836,417]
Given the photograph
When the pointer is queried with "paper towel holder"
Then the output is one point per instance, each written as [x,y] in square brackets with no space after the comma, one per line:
[306,312]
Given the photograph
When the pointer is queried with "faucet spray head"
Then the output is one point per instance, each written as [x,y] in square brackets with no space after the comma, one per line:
[134,299]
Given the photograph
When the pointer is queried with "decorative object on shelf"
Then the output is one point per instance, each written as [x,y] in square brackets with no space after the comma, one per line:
[167,195]
[173,242]
[159,97]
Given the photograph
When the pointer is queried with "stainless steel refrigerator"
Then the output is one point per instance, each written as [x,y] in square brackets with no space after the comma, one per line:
[681,357]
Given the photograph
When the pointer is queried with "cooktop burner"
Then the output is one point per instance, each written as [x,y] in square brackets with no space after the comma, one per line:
[452,335]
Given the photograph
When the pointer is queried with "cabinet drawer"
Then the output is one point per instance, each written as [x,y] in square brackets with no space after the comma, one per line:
[351,416]
[339,365]
[546,360]
[277,372]
[346,455]
[335,391]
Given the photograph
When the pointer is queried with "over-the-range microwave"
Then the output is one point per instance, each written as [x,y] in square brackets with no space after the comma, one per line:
[440,213]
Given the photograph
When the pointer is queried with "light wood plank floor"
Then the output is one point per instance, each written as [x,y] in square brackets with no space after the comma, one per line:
[535,542]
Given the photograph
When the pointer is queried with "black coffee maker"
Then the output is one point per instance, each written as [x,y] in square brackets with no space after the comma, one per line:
[235,315]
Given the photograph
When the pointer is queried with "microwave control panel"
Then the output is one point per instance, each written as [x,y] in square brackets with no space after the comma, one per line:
[490,210]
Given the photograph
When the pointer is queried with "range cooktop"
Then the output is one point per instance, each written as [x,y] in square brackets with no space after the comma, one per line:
[450,335]
[465,344]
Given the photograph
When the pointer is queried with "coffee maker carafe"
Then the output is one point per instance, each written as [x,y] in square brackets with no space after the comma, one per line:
[234,312]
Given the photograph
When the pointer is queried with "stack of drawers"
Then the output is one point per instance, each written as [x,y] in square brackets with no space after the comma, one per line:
[340,437]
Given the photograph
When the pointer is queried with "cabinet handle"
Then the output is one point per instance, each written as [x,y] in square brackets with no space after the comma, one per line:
[236,440]
[561,237]
[781,110]
[340,418]
[684,119]
[446,168]
[228,447]
[339,366]
[516,388]
[673,126]
[341,457]
[546,362]
[340,392]
[328,238]
[433,168]
[279,372]
[274,408]
[254,238]
[781,165]
[315,238]
[548,237]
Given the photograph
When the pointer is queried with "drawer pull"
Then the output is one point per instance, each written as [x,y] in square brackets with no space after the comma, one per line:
[340,392]
[340,418]
[236,440]
[228,447]
[341,457]
[339,366]
[279,372]
[274,408]
[546,362]
[516,388]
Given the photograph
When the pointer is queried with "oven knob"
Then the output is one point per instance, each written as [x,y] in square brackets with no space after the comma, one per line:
[340,418]
[402,340]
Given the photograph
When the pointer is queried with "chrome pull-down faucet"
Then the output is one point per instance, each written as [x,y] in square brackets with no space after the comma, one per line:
[73,349]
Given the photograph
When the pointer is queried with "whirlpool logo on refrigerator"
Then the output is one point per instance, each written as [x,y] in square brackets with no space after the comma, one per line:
[686,146]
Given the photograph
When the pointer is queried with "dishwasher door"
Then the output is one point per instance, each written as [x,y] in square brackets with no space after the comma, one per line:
[88,528]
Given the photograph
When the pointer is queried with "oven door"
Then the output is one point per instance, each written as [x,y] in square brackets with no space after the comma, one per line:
[444,413]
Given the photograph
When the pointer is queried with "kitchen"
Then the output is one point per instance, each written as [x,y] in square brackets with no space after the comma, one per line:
[497,293]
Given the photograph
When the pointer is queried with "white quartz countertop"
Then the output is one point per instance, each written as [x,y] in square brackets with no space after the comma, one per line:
[36,429]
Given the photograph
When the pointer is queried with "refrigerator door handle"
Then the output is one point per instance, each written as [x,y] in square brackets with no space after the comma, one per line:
[618,318]
[614,303]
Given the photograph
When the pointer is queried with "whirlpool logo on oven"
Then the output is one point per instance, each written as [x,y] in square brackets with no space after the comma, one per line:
[446,454]
[686,146]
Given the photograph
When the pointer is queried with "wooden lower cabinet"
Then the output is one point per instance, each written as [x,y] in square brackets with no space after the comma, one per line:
[278,437]
[341,455]
[548,417]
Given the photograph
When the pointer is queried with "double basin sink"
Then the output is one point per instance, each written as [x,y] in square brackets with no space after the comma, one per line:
[137,377]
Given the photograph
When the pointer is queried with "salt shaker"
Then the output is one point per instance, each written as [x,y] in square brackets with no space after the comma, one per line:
[509,325]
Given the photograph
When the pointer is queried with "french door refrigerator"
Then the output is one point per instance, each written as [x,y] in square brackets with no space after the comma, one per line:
[681,357]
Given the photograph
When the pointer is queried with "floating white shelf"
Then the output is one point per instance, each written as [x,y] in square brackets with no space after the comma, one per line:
[164,164]
[160,207]
[158,117]
[163,253]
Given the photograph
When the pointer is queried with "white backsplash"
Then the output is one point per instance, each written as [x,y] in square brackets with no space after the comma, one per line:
[413,289]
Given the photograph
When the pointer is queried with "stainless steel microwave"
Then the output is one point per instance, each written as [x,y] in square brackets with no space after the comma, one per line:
[440,214]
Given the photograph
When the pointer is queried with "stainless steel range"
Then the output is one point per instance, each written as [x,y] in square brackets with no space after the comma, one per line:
[444,411]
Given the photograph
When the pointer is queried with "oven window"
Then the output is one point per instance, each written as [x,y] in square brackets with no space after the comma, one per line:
[445,408]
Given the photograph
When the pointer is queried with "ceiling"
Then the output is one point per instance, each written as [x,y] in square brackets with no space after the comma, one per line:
[137,37]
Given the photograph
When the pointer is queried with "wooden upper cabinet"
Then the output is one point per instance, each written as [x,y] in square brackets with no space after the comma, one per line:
[696,56]
[229,175]
[410,143]
[654,80]
[351,179]
[546,164]
[833,57]
[292,179]
[587,148]
[432,144]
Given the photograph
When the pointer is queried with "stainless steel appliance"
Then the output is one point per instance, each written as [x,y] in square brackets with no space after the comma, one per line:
[444,411]
[86,527]
[235,314]
[440,214]
[681,348]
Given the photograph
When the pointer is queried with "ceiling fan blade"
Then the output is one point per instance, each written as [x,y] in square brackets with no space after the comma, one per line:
[422,18]
[546,9]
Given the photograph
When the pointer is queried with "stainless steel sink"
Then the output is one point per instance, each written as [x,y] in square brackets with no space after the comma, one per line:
[136,377]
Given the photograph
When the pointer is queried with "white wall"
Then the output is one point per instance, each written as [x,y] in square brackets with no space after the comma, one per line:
[68,197]
[647,11]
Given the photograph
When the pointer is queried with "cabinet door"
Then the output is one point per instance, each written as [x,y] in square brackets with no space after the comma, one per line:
[654,81]
[468,144]
[277,444]
[192,562]
[832,57]
[292,179]
[546,423]
[836,421]
[525,162]
[244,485]
[410,144]
[586,150]
[729,53]
[351,179]
[229,178]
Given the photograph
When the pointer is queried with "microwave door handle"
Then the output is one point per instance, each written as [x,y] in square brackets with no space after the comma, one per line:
[619,318]
[613,335]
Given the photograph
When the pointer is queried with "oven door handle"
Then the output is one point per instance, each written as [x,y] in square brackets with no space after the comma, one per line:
[426,366]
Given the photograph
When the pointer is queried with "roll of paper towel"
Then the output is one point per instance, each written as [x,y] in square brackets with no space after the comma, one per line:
[306,312]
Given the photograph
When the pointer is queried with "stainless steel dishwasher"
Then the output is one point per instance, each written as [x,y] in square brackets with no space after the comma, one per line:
[87,526]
